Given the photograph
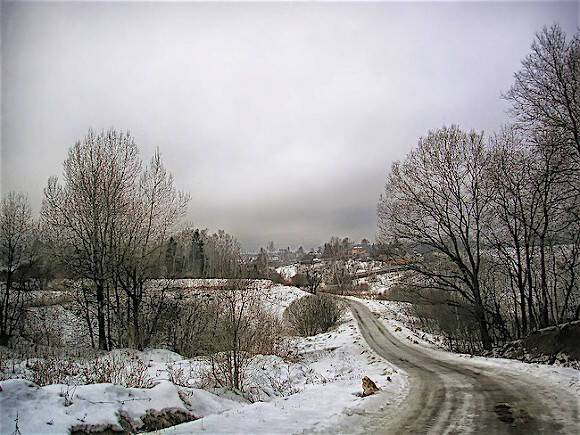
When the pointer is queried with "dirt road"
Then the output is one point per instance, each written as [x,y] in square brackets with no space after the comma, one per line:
[447,396]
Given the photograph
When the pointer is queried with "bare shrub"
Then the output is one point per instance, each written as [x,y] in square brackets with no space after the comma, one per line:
[314,314]
[44,325]
[361,287]
[277,278]
[269,339]
[183,375]
[68,394]
[46,371]
[243,329]
[313,279]
[190,324]
[128,371]
[441,313]
[340,277]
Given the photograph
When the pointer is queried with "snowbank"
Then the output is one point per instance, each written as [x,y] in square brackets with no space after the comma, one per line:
[59,408]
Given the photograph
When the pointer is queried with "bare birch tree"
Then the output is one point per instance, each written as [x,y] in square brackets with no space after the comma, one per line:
[81,215]
[155,210]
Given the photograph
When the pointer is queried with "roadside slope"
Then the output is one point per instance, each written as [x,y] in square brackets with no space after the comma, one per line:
[451,395]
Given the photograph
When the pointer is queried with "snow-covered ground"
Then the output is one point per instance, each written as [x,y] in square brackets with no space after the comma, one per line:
[288,272]
[366,266]
[315,387]
[60,408]
[326,382]
[396,317]
[204,283]
[381,283]
[278,297]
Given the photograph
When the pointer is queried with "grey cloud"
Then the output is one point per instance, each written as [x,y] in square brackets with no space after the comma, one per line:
[280,119]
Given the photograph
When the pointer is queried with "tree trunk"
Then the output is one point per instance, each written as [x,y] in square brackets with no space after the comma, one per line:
[484,331]
[544,318]
[136,330]
[486,340]
[4,339]
[101,315]
[4,316]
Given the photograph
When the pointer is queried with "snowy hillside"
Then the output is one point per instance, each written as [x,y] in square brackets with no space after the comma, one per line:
[314,384]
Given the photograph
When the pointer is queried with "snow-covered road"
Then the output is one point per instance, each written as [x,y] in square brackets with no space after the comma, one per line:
[455,395]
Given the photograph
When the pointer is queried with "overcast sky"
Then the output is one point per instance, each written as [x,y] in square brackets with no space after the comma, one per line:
[281,120]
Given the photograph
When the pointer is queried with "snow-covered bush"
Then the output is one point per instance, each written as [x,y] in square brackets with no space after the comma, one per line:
[187,375]
[314,314]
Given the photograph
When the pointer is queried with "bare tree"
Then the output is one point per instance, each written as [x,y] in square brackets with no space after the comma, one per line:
[222,255]
[139,235]
[515,218]
[337,248]
[545,93]
[313,279]
[82,215]
[546,107]
[261,264]
[437,198]
[341,275]
[17,253]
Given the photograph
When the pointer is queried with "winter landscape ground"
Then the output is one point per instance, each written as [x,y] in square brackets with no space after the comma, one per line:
[314,388]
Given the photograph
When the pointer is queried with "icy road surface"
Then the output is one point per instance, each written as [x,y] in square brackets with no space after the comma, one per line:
[450,395]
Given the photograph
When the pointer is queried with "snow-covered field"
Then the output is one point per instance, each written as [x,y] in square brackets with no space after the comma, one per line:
[278,297]
[381,283]
[315,387]
[205,283]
